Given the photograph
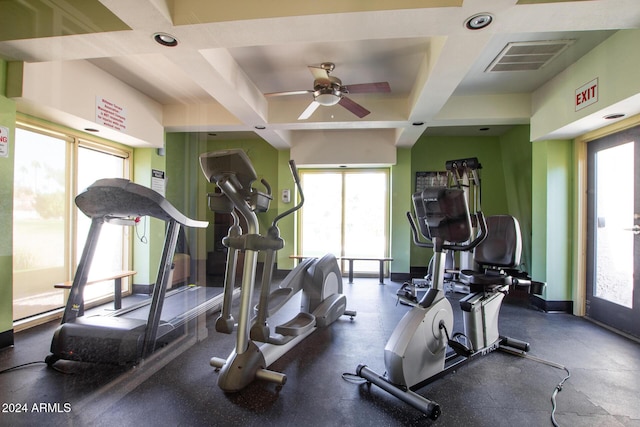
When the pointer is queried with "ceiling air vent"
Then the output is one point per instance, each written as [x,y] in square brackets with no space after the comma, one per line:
[528,56]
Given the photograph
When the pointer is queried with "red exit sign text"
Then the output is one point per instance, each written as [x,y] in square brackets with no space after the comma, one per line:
[586,94]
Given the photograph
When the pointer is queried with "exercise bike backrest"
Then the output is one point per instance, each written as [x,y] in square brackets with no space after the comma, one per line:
[443,218]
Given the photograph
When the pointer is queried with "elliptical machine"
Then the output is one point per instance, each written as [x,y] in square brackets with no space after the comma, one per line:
[417,351]
[319,280]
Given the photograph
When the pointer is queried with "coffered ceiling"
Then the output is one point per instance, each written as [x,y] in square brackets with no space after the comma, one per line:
[230,54]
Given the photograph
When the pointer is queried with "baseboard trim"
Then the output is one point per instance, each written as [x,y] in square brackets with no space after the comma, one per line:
[146,289]
[6,338]
[401,277]
[551,306]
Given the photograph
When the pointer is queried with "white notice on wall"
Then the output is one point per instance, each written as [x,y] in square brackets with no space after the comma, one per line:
[157,181]
[110,114]
[4,141]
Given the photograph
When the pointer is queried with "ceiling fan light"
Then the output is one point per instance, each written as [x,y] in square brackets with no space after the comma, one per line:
[326,97]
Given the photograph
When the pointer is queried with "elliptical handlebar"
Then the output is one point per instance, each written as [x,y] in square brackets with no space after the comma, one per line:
[296,179]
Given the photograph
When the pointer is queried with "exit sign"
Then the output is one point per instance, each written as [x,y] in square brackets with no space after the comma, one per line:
[587,94]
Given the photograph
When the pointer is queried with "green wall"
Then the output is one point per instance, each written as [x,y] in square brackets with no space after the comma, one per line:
[146,256]
[7,120]
[400,234]
[552,208]
[431,153]
[516,164]
[506,182]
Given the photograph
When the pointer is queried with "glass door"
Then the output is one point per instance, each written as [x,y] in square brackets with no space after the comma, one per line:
[346,213]
[613,245]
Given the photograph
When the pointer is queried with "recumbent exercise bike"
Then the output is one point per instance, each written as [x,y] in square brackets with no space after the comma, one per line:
[417,350]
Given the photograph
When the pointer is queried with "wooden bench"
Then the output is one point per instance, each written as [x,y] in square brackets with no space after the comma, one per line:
[351,260]
[117,284]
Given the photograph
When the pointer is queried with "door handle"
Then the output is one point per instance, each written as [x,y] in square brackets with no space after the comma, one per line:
[635,229]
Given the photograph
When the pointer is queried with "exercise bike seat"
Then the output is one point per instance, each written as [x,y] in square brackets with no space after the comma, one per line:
[500,250]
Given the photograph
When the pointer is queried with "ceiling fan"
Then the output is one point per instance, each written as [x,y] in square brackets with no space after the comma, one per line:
[329,90]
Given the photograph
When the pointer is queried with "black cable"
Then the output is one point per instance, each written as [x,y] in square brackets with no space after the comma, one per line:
[558,388]
[555,393]
[20,366]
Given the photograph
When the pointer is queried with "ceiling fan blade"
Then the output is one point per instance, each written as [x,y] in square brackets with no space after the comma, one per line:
[309,110]
[291,92]
[378,87]
[320,74]
[354,107]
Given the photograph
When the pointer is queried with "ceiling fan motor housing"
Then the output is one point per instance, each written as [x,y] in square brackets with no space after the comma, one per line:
[327,94]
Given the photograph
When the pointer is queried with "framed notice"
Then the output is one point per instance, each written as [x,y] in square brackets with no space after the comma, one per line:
[431,179]
[158,181]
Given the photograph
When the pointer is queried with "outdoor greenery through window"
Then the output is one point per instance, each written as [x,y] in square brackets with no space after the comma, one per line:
[48,230]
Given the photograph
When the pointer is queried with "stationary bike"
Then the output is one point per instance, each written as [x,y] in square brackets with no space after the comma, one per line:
[416,353]
[318,280]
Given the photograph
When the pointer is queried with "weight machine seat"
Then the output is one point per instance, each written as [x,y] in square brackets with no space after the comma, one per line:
[500,249]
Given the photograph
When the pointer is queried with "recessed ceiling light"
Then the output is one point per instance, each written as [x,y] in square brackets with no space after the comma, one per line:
[614,116]
[165,39]
[417,123]
[91,130]
[484,129]
[478,21]
[260,127]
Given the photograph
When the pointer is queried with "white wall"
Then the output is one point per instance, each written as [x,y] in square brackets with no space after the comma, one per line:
[371,147]
[65,92]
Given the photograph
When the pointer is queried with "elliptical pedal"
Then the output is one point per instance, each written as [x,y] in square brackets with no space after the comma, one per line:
[299,325]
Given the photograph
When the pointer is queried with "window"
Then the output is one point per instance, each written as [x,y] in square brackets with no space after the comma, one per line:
[345,213]
[48,230]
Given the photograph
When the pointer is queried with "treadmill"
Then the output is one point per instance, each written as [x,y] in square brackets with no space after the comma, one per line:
[131,334]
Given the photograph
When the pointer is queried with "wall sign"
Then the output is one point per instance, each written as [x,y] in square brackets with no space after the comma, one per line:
[587,94]
[110,114]
[158,182]
[431,179]
[4,141]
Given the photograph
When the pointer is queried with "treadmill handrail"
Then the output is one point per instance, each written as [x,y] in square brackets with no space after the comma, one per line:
[121,197]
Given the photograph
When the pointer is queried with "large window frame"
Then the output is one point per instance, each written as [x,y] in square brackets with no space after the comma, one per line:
[73,242]
[361,268]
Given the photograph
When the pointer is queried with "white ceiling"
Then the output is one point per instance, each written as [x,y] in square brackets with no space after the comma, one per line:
[233,54]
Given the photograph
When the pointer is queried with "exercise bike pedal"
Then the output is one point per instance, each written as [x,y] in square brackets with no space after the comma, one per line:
[460,349]
[406,296]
